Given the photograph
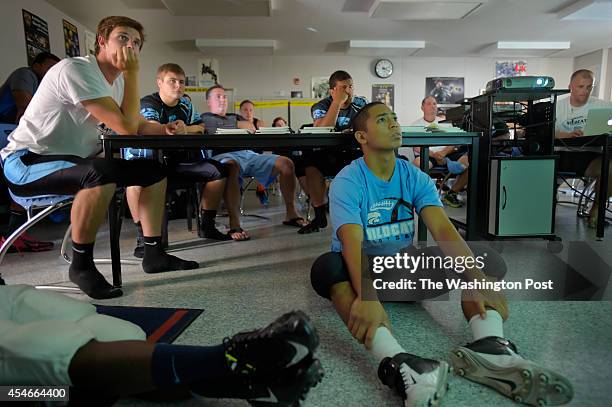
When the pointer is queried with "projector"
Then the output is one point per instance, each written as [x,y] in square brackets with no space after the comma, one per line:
[521,82]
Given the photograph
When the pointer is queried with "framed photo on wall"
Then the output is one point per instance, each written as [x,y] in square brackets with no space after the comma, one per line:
[36,35]
[446,90]
[319,87]
[71,40]
[506,69]
[384,93]
[208,72]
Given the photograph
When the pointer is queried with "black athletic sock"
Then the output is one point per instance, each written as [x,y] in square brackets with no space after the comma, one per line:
[83,273]
[82,256]
[157,261]
[207,227]
[179,364]
[319,221]
[320,217]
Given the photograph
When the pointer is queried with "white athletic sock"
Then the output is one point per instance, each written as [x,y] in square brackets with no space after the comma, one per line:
[384,344]
[492,325]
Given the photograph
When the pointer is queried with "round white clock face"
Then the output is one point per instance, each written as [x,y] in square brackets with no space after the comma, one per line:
[383,68]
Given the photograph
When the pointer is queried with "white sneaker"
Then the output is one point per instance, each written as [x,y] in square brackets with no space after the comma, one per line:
[420,382]
[495,362]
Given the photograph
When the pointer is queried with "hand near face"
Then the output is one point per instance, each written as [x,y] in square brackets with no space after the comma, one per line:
[126,60]
[339,95]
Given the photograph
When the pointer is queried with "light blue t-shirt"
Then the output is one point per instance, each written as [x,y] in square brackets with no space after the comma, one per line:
[384,209]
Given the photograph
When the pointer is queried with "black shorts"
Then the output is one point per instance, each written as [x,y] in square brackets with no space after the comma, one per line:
[330,269]
[576,161]
[68,174]
[201,171]
[330,162]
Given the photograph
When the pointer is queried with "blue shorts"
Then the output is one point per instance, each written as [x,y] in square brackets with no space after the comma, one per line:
[252,164]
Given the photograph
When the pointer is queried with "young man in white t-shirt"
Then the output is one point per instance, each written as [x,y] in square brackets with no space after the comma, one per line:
[453,157]
[571,116]
[54,148]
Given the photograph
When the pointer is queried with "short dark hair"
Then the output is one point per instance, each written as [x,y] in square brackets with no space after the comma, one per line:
[170,67]
[276,119]
[244,102]
[209,90]
[41,57]
[425,99]
[337,77]
[360,121]
[108,24]
[583,73]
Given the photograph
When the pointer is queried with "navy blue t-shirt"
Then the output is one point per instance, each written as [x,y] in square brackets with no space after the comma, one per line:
[153,108]
[319,110]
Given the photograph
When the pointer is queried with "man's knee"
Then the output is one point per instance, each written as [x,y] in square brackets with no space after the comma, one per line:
[327,270]
[232,166]
[284,166]
[313,172]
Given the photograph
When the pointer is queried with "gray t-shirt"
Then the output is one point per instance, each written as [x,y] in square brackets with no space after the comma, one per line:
[23,79]
[212,121]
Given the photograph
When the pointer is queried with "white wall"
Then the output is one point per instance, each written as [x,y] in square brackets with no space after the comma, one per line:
[272,76]
[13,47]
[266,76]
[607,91]
[593,62]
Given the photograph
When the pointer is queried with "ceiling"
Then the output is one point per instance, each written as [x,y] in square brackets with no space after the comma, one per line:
[326,27]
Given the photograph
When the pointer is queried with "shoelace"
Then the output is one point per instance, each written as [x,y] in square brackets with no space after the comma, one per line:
[233,363]
[406,376]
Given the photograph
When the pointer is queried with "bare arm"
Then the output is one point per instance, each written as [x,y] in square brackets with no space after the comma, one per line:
[331,117]
[153,128]
[339,97]
[105,110]
[22,100]
[123,120]
[453,245]
[366,316]
[446,151]
[351,237]
[195,129]
[243,124]
[572,134]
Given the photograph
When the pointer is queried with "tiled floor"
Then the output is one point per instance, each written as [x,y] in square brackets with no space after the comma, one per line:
[244,285]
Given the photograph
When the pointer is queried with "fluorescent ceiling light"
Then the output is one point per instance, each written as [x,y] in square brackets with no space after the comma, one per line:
[587,10]
[533,45]
[235,46]
[386,44]
[383,48]
[424,9]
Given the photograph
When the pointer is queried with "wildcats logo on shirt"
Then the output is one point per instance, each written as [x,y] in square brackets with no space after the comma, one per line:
[395,231]
[390,219]
[575,122]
